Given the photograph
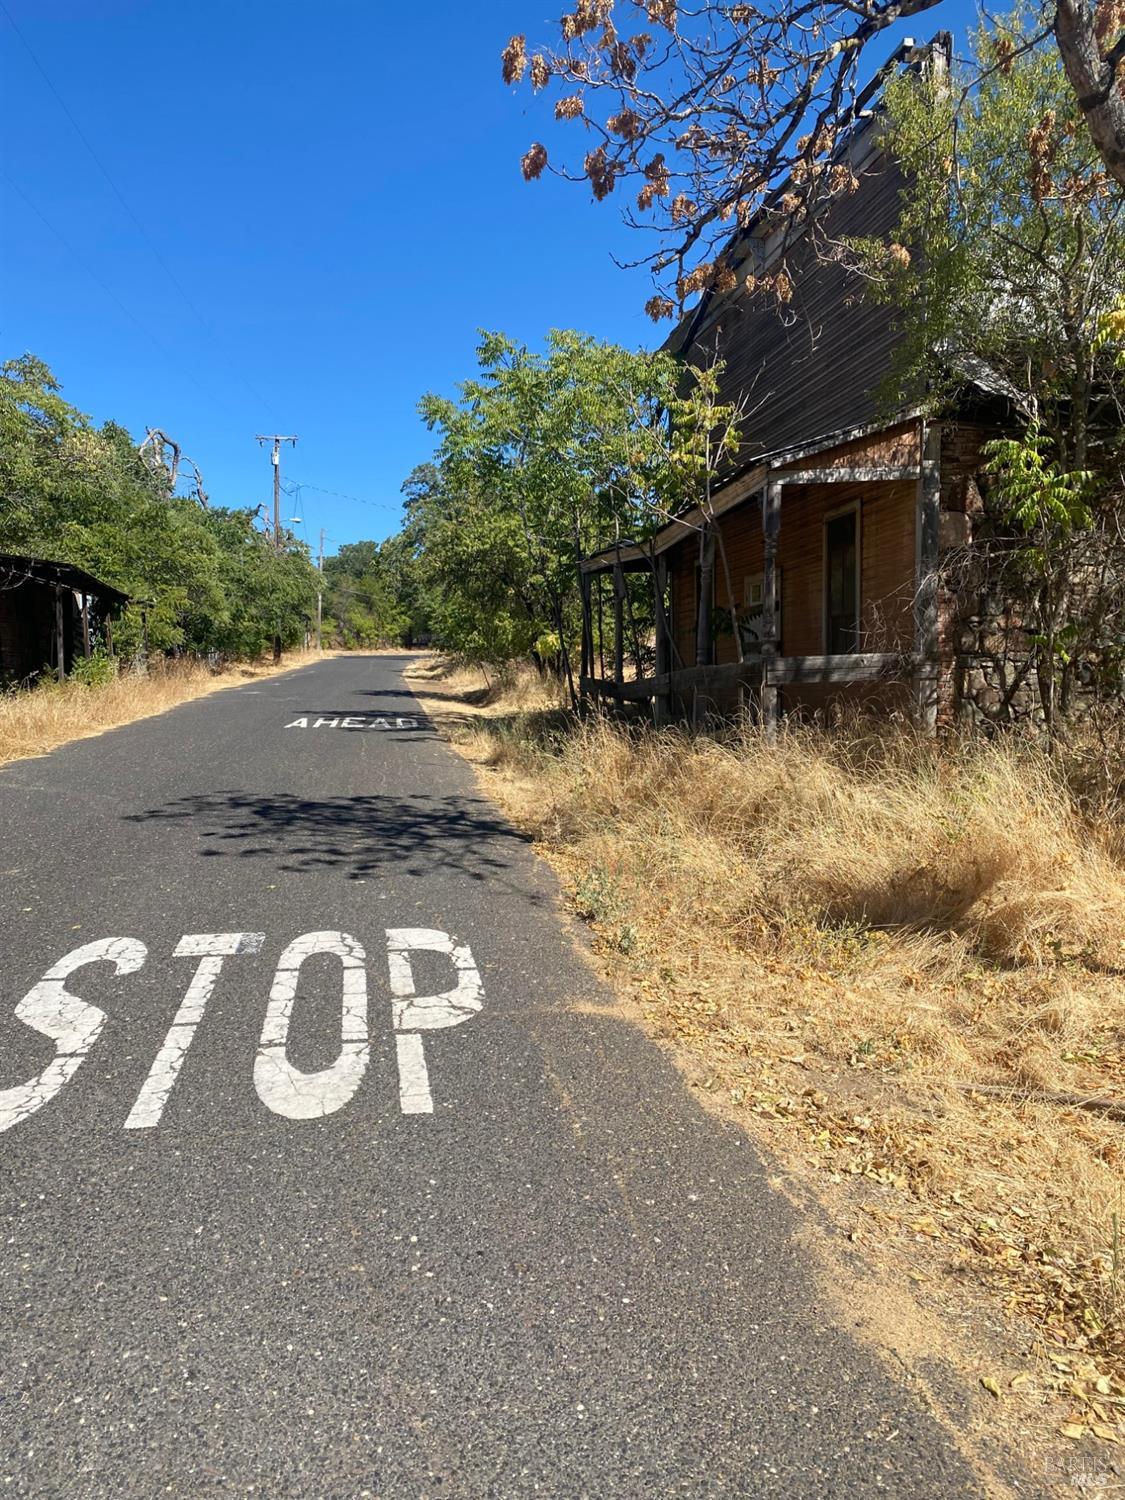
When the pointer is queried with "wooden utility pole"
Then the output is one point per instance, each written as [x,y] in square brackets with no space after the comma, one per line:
[276,439]
[320,590]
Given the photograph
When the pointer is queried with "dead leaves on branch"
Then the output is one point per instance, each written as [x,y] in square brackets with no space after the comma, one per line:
[723,122]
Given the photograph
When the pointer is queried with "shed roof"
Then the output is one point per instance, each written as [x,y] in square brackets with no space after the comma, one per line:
[15,570]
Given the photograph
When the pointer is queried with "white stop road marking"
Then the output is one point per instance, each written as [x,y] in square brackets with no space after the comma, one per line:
[211,948]
[69,1022]
[74,1025]
[288,1091]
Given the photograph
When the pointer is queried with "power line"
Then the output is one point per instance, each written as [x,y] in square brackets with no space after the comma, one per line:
[308,512]
[104,170]
[111,294]
[355,499]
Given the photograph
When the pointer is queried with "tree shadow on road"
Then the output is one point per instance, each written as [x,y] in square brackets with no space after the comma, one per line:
[364,836]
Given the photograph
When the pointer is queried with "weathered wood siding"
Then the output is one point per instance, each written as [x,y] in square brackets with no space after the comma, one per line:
[817,364]
[887,552]
[27,630]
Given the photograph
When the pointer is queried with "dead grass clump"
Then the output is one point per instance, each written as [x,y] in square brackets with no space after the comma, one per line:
[986,845]
[518,686]
[35,722]
[856,933]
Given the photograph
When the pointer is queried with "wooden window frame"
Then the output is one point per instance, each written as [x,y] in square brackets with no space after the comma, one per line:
[855,505]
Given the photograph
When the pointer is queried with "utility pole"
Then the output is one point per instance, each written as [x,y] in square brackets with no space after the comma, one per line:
[320,589]
[276,438]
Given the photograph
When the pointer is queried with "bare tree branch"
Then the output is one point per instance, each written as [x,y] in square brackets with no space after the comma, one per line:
[711,109]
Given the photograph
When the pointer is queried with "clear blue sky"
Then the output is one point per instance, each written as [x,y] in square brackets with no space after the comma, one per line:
[334,192]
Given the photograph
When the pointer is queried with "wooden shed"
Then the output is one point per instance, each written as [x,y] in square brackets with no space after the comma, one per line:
[813,573]
[49,613]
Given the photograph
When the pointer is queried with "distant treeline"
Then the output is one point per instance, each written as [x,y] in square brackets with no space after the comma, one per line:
[375,595]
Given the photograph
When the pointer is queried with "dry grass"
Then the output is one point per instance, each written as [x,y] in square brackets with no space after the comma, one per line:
[853,933]
[475,692]
[32,723]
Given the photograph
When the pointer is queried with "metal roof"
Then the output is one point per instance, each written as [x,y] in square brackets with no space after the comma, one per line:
[15,570]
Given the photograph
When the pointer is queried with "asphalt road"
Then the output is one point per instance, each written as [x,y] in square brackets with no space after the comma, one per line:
[259,1239]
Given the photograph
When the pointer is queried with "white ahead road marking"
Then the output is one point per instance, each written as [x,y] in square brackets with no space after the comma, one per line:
[352,721]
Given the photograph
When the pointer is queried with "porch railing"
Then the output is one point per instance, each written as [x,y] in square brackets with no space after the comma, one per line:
[760,672]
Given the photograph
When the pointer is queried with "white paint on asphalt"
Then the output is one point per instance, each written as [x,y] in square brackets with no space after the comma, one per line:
[72,1024]
[413,1076]
[282,1087]
[210,948]
[218,944]
[413,1012]
[353,721]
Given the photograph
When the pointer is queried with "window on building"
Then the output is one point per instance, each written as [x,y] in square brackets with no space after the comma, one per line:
[841,584]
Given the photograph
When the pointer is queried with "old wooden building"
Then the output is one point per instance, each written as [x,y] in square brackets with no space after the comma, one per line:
[813,574]
[50,613]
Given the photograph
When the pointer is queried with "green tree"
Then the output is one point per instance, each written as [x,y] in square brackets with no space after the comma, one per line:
[201,580]
[1015,281]
[366,593]
[544,458]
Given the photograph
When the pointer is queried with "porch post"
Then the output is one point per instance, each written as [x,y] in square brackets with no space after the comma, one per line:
[926,578]
[587,667]
[618,624]
[60,634]
[662,702]
[108,635]
[706,592]
[601,626]
[703,650]
[771,524]
[86,626]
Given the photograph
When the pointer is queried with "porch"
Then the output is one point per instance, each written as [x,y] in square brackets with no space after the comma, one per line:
[680,676]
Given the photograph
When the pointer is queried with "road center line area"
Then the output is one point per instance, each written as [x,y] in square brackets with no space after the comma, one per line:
[329,1169]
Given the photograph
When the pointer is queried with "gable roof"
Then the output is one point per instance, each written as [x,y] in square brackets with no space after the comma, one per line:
[817,364]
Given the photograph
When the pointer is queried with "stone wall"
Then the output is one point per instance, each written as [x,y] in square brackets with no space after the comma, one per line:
[985,676]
